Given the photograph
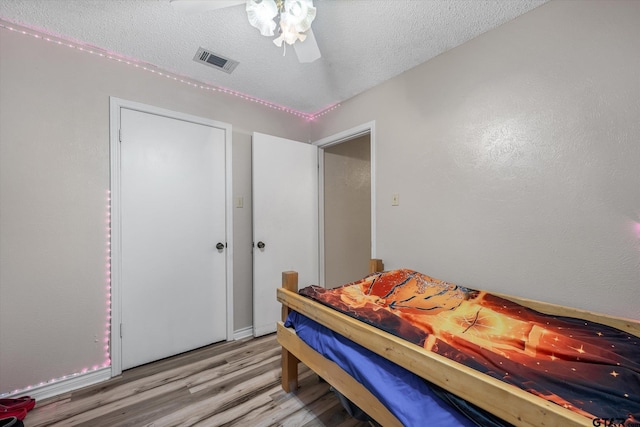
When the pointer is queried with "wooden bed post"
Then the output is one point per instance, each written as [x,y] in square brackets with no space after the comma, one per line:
[289,361]
[375,265]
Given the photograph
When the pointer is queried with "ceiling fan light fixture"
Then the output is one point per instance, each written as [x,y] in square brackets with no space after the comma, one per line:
[288,31]
[295,18]
[261,13]
[300,14]
[291,18]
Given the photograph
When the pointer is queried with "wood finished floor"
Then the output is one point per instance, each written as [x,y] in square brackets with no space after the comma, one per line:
[227,384]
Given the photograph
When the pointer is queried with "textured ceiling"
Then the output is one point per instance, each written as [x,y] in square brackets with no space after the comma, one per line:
[363,42]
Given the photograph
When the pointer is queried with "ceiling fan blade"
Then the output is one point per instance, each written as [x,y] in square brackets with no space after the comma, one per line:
[308,50]
[197,6]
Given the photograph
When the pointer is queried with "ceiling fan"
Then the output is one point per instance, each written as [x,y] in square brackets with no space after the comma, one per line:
[293,18]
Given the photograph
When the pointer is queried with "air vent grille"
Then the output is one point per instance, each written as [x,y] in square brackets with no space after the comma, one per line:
[214,60]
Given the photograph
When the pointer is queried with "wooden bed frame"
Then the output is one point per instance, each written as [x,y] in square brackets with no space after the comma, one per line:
[506,401]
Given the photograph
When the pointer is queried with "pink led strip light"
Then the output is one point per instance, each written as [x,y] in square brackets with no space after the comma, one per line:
[152,69]
[107,334]
[137,64]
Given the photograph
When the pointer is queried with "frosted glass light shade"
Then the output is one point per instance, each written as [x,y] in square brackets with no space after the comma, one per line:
[300,14]
[288,32]
[295,19]
[261,13]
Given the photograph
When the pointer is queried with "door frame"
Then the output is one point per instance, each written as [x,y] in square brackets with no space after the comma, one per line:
[338,138]
[115,258]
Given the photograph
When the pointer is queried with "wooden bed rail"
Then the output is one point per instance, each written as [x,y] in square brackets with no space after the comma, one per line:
[627,325]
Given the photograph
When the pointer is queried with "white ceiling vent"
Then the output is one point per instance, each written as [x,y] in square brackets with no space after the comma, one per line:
[216,61]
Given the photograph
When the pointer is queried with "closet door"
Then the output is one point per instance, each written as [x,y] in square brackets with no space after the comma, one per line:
[285,221]
[173,277]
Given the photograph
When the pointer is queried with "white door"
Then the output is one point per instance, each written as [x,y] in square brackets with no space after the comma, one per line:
[285,221]
[172,216]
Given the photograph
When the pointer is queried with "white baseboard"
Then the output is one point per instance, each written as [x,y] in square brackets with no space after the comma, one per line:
[264,330]
[65,385]
[243,333]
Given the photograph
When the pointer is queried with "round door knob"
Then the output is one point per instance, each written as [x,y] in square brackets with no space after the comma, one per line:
[219,246]
[261,245]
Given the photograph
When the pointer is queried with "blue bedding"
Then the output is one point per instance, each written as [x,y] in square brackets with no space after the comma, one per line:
[410,398]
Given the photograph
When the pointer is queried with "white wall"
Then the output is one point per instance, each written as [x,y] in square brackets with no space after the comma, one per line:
[517,158]
[54,175]
[242,233]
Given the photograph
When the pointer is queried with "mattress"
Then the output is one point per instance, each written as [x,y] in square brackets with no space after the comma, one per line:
[411,399]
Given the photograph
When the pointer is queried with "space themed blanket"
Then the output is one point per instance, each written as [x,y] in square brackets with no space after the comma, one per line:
[589,368]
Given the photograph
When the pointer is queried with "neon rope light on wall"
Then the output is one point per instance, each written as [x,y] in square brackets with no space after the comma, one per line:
[42,35]
[107,332]
[106,340]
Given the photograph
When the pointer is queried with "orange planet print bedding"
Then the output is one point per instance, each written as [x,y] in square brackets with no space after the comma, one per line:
[587,367]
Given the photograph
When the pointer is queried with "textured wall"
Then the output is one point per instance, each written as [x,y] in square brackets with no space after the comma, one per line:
[516,158]
[54,175]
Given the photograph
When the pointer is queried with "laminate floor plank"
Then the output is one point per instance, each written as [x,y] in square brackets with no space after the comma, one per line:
[132,388]
[276,414]
[221,387]
[233,415]
[201,410]
[225,384]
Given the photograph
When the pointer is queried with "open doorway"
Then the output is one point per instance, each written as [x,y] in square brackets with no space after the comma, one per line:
[347,211]
[347,225]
